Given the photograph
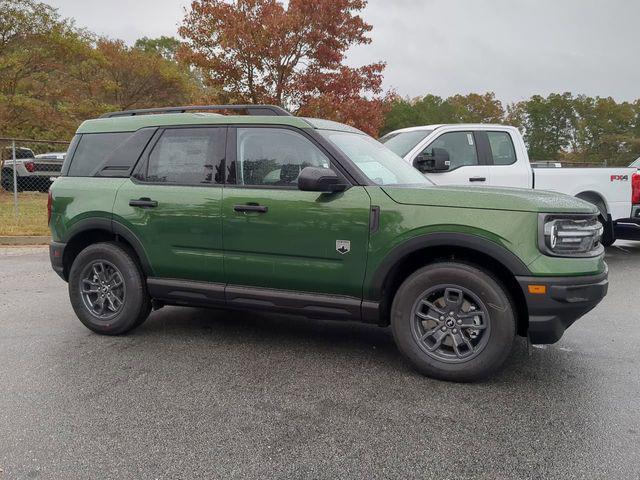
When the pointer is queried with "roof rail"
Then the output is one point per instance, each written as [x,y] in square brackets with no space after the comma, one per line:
[266,110]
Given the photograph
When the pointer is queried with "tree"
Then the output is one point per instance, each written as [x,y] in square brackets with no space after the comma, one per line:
[475,108]
[54,75]
[259,51]
[604,127]
[548,124]
[431,109]
[36,49]
[136,78]
[167,47]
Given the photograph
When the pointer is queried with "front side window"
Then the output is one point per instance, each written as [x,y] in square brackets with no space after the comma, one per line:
[188,156]
[92,150]
[502,149]
[273,157]
[459,145]
[374,160]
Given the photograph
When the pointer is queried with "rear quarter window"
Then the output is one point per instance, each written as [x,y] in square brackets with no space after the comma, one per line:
[502,148]
[92,150]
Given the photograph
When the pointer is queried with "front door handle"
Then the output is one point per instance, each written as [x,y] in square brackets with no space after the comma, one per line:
[250,207]
[478,179]
[143,202]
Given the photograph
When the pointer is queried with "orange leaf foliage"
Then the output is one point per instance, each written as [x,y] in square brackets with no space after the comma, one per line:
[259,51]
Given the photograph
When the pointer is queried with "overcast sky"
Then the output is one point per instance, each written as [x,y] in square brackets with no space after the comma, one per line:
[515,48]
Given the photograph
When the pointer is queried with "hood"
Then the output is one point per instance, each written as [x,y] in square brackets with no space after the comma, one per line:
[490,198]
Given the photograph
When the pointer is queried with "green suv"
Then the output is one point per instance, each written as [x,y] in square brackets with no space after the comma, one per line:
[264,210]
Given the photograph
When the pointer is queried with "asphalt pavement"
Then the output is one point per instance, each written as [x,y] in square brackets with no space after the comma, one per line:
[214,394]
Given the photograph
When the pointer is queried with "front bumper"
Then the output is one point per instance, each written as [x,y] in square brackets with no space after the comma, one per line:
[56,255]
[565,301]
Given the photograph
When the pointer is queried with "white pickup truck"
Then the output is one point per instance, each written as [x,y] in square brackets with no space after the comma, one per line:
[496,155]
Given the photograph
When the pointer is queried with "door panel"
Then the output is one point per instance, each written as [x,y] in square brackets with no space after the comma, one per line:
[292,245]
[506,170]
[174,204]
[277,236]
[182,235]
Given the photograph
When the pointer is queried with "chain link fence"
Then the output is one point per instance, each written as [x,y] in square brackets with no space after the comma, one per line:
[27,169]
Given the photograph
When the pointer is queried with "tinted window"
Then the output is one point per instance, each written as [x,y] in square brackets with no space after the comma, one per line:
[402,143]
[273,156]
[459,145]
[92,150]
[121,161]
[189,156]
[501,148]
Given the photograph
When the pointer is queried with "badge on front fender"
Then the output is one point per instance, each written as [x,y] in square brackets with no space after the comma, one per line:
[343,246]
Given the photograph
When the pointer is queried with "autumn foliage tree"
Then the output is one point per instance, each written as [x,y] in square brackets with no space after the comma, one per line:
[432,109]
[261,51]
[136,78]
[53,75]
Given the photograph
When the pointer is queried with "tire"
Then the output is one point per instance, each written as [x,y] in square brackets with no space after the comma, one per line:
[609,236]
[124,306]
[488,324]
[7,180]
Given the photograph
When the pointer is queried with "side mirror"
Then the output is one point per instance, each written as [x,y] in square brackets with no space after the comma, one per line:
[316,179]
[438,161]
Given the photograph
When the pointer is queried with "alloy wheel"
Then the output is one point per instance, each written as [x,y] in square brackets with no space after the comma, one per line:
[450,323]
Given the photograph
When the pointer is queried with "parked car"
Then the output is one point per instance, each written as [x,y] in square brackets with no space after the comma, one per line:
[315,218]
[33,172]
[495,155]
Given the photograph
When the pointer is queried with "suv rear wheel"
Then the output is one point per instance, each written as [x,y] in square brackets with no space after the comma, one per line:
[453,322]
[107,289]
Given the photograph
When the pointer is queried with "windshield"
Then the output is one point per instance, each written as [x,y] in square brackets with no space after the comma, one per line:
[401,143]
[636,163]
[374,160]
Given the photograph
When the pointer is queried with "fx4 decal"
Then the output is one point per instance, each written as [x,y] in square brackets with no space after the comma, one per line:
[620,178]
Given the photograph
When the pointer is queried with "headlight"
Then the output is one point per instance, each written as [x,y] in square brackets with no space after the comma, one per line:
[570,235]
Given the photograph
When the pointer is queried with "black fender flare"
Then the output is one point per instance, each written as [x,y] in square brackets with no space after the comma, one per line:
[468,241]
[116,228]
[122,231]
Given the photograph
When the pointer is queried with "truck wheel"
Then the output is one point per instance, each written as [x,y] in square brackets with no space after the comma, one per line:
[107,289]
[7,180]
[609,235]
[454,322]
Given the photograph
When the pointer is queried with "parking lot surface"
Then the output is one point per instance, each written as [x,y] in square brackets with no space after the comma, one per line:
[198,393]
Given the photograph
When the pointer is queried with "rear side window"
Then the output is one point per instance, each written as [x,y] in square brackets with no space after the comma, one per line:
[502,149]
[188,156]
[92,151]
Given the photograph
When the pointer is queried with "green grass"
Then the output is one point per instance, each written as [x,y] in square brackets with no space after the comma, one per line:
[32,214]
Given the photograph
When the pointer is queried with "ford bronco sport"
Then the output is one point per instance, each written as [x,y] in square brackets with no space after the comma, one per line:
[274,212]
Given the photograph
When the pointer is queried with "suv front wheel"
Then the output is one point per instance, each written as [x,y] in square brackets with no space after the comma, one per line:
[108,290]
[453,322]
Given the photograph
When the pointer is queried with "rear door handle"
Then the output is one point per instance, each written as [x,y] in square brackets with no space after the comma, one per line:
[478,179]
[143,202]
[250,207]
